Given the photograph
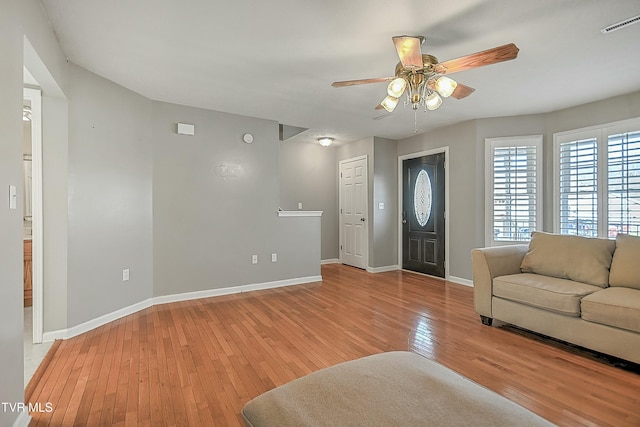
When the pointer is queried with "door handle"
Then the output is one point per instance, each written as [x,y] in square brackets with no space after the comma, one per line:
[404,221]
[362,219]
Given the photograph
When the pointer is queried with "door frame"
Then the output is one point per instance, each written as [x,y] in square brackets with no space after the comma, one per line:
[37,212]
[410,156]
[366,202]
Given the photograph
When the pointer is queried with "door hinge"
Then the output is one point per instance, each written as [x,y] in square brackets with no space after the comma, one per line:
[340,247]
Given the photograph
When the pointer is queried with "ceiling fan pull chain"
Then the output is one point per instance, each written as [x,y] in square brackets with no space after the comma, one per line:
[415,121]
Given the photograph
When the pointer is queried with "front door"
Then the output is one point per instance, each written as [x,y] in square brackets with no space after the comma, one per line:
[353,212]
[423,230]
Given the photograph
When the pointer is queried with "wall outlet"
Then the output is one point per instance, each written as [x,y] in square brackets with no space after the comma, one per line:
[300,205]
[274,257]
[254,259]
[381,205]
[125,274]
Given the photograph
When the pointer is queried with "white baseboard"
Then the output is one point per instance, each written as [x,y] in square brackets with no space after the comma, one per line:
[98,321]
[383,269]
[330,261]
[23,420]
[460,281]
[165,299]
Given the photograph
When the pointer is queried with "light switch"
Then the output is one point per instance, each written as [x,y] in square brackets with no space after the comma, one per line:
[13,197]
[300,205]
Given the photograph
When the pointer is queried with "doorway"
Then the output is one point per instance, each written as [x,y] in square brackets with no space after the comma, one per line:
[423,230]
[33,218]
[353,209]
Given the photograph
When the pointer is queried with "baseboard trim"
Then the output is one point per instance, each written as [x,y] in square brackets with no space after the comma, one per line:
[330,261]
[460,281]
[97,322]
[64,334]
[383,269]
[23,420]
[166,299]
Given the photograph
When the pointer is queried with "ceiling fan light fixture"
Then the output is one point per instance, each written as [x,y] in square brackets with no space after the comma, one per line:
[325,141]
[397,87]
[445,86]
[433,101]
[389,103]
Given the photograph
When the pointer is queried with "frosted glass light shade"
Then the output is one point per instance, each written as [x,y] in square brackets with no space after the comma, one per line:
[396,87]
[433,101]
[445,86]
[325,142]
[389,103]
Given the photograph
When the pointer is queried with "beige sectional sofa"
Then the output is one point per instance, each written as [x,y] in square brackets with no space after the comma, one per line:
[585,291]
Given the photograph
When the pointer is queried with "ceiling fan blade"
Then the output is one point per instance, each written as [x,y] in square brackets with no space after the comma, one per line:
[479,59]
[379,107]
[462,91]
[408,48]
[362,81]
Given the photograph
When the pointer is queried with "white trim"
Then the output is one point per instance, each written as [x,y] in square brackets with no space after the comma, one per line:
[460,281]
[37,266]
[383,269]
[447,211]
[330,261]
[299,213]
[364,157]
[511,141]
[165,299]
[97,322]
[23,419]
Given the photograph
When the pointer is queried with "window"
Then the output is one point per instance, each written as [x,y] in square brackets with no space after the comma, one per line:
[623,184]
[597,180]
[514,189]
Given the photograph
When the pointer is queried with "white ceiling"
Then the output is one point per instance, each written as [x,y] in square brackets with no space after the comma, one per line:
[276,60]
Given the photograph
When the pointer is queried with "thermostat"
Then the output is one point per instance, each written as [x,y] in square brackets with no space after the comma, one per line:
[248,138]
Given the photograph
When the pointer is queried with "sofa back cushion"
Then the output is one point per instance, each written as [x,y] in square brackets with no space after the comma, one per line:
[581,259]
[625,267]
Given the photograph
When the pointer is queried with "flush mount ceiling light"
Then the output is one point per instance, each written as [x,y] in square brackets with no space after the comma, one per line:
[422,78]
[325,141]
[26,113]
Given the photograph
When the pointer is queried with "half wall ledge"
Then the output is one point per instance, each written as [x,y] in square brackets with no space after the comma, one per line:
[299,213]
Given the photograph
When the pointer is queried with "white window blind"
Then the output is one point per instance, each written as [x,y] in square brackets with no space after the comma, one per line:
[579,187]
[514,189]
[623,184]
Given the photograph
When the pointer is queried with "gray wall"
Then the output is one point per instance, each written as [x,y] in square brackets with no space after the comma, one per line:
[18,18]
[308,173]
[385,190]
[206,227]
[110,210]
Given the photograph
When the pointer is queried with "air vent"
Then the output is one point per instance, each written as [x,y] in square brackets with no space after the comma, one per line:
[620,25]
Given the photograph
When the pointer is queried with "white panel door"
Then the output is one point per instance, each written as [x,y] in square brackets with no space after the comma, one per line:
[353,212]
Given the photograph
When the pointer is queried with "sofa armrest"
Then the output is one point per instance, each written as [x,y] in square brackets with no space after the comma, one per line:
[489,263]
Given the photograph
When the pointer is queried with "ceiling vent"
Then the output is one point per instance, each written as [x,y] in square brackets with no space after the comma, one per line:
[620,25]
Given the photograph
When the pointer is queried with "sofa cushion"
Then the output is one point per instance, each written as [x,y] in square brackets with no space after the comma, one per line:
[625,266]
[550,293]
[581,259]
[615,306]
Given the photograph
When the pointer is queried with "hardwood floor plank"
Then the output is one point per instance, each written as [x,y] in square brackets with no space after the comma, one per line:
[196,363]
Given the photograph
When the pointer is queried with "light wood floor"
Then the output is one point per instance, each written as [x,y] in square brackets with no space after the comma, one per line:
[198,362]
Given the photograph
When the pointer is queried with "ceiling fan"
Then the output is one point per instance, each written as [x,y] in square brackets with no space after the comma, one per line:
[423,78]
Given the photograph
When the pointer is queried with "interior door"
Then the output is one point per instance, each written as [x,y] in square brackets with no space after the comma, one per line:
[353,212]
[423,215]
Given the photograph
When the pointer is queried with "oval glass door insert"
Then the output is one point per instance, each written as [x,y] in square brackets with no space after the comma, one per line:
[422,198]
